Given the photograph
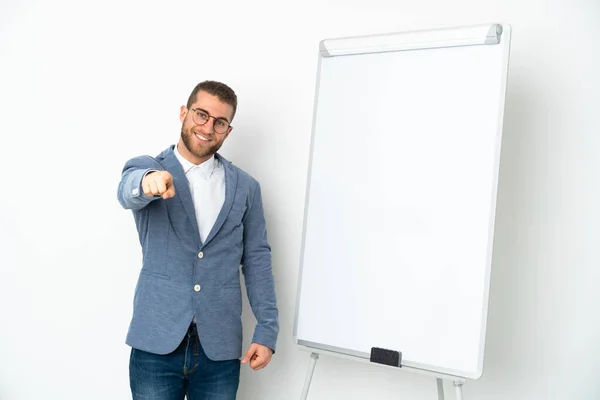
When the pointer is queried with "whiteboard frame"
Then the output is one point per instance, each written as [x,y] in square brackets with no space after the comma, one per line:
[385,43]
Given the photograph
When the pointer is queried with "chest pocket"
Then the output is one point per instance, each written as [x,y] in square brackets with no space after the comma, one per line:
[233,227]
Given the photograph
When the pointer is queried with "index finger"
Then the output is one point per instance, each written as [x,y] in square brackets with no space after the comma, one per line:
[167,178]
[170,192]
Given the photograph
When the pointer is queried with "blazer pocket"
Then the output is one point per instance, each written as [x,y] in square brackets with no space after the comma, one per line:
[155,274]
[236,214]
[233,227]
[230,303]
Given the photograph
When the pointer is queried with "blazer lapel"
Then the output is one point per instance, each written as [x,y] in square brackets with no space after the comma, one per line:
[182,188]
[230,187]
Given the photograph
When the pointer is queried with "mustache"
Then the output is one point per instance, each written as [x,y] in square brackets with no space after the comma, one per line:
[190,132]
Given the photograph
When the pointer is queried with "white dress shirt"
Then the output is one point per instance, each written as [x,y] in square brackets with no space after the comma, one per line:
[207,186]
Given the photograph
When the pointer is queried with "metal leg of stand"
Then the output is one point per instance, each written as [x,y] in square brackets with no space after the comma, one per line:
[313,362]
[458,389]
[440,388]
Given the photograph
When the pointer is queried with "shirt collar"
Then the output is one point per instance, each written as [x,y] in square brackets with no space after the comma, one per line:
[205,169]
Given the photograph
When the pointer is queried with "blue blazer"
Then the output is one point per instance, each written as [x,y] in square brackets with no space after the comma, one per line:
[181,277]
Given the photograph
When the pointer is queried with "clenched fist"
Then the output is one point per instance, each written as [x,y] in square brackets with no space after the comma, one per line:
[158,183]
[258,356]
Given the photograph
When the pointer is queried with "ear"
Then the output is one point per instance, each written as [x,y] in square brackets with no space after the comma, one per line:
[182,113]
[228,132]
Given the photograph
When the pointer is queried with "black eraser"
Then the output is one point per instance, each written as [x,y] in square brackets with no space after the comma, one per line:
[386,357]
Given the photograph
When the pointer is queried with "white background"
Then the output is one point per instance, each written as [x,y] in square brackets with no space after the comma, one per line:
[86,85]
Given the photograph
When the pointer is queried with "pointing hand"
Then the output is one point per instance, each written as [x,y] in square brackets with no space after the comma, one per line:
[158,183]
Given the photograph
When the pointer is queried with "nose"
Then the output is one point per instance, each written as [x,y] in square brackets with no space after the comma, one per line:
[209,126]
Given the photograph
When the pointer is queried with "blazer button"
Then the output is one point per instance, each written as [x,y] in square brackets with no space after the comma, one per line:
[200,255]
[197,288]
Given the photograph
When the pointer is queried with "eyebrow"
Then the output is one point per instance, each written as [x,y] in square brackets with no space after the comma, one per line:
[202,109]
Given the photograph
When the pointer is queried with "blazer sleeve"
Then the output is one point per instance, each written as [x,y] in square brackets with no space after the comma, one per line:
[130,192]
[258,274]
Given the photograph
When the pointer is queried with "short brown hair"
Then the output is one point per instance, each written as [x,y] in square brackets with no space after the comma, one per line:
[218,89]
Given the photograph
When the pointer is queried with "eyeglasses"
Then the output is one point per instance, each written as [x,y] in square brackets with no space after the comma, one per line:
[201,117]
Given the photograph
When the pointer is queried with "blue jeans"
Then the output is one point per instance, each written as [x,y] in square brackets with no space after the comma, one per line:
[187,371]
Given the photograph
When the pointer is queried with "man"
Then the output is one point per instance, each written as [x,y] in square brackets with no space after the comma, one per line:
[198,218]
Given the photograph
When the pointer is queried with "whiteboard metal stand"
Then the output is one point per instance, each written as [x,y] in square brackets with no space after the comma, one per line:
[311,369]
[457,382]
[458,389]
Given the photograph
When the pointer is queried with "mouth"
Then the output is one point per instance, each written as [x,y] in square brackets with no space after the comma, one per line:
[201,138]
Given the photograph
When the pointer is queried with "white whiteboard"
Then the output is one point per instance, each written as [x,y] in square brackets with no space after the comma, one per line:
[401,197]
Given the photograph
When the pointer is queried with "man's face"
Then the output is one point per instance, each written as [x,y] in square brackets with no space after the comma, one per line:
[201,141]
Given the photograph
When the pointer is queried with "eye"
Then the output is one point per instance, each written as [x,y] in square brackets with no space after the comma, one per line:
[201,115]
[221,123]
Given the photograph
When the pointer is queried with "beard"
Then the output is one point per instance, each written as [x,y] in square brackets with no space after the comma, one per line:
[197,148]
